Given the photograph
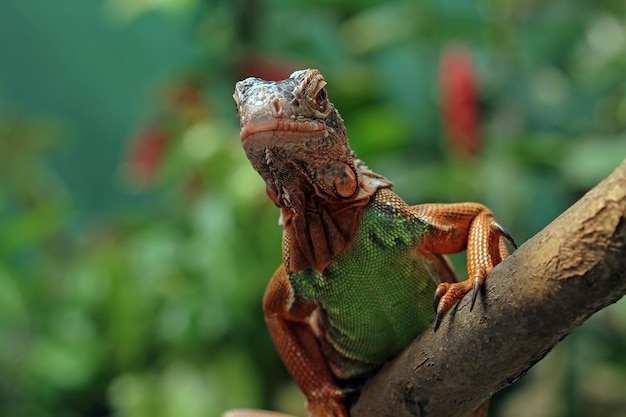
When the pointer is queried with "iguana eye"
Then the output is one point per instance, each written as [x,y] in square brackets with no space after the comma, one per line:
[321,100]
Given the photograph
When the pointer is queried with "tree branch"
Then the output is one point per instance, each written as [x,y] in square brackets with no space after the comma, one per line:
[549,286]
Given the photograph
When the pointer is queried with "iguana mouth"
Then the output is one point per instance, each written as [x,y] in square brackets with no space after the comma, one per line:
[263,130]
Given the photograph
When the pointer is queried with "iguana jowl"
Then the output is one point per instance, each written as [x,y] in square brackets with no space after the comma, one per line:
[360,266]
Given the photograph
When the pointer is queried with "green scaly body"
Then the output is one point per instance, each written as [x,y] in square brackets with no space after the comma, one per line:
[377,297]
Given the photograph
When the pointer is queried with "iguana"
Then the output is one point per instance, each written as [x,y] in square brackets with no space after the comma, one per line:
[360,266]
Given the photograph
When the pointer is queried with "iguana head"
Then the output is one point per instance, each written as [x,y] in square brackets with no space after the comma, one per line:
[295,138]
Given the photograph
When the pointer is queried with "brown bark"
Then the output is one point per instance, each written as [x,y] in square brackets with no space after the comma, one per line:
[549,286]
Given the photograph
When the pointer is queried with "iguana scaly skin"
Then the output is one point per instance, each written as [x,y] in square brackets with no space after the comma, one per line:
[360,266]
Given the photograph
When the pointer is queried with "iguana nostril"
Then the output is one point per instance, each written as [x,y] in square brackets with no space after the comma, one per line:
[276,108]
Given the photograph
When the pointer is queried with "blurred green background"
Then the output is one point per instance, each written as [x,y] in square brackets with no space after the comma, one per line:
[136,241]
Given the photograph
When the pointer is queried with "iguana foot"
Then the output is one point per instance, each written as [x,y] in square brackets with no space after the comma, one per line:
[327,403]
[448,294]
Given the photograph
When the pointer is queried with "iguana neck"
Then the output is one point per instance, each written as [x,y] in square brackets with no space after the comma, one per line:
[318,227]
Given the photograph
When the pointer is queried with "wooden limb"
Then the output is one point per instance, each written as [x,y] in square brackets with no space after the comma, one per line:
[549,286]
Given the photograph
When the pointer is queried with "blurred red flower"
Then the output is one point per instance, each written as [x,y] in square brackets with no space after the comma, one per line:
[459,99]
[146,154]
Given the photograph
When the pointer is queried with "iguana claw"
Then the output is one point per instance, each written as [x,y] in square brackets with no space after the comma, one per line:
[505,234]
[439,303]
[438,320]
[474,293]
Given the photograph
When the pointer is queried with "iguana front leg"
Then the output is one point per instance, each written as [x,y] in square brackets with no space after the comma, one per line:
[453,228]
[287,321]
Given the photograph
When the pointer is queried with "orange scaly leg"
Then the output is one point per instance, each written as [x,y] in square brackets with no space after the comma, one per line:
[454,227]
[287,321]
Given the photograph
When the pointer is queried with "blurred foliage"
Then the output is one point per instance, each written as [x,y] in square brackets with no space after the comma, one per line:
[148,303]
